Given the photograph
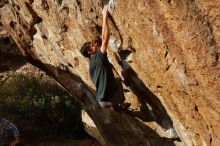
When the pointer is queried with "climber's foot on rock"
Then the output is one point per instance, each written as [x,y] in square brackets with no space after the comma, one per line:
[125,105]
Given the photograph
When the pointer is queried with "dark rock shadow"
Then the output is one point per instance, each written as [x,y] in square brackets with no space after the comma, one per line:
[10,56]
[9,62]
[151,107]
[153,138]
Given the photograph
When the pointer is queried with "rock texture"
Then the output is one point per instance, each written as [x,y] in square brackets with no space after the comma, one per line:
[91,128]
[166,51]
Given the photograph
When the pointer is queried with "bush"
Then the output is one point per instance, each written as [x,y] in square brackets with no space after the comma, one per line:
[40,107]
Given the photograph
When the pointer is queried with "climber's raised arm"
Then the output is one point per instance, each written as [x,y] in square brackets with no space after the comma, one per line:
[105,30]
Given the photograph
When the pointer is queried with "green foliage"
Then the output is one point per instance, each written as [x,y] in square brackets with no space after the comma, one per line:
[40,107]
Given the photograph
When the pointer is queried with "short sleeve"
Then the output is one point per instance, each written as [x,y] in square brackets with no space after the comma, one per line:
[102,56]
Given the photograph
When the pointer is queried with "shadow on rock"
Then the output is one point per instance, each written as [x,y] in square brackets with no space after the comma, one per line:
[151,108]
[10,56]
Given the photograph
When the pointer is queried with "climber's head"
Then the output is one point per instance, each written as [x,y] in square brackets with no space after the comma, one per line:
[90,48]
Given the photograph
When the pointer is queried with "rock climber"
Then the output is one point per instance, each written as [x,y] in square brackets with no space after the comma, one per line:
[100,69]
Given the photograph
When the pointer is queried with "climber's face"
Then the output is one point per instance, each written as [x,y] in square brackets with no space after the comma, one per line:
[93,48]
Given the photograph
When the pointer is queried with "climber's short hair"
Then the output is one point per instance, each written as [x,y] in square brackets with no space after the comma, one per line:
[85,49]
[97,40]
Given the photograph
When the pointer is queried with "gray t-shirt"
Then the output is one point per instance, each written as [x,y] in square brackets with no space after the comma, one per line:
[101,74]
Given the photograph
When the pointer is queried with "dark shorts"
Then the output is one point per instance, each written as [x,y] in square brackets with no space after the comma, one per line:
[117,96]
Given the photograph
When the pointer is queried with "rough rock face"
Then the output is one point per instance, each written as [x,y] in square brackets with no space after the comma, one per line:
[166,51]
